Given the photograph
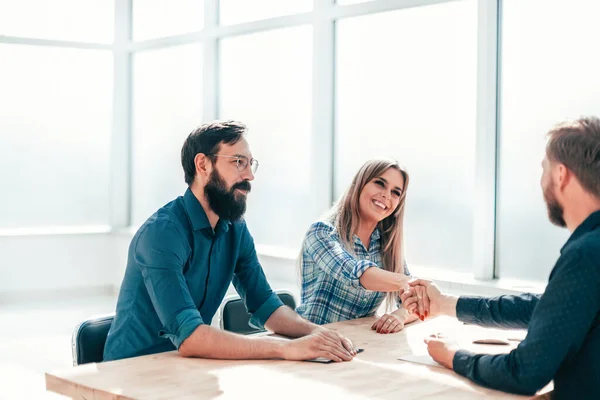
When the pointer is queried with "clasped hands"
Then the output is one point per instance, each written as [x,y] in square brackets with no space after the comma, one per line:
[424,299]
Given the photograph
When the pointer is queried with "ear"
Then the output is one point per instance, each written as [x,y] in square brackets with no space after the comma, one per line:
[562,176]
[203,165]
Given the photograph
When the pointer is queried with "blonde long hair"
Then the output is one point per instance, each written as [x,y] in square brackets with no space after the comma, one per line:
[345,216]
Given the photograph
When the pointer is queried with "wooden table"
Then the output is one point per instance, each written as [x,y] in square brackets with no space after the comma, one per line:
[374,374]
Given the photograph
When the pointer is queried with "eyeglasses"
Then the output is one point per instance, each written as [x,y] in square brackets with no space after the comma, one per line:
[242,162]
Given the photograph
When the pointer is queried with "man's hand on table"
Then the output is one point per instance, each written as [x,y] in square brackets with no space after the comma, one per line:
[441,350]
[322,342]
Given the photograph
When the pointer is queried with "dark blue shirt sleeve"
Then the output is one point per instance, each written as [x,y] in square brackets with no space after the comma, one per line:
[511,312]
[557,328]
[161,253]
[251,284]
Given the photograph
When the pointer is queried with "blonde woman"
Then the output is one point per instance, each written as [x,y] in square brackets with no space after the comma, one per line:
[354,258]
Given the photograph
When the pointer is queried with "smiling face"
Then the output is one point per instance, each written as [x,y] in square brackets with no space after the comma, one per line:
[381,195]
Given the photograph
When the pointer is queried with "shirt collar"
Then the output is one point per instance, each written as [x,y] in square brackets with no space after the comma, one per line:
[588,225]
[374,238]
[375,235]
[195,211]
[222,226]
[198,216]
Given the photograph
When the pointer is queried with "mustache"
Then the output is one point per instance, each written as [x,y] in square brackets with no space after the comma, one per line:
[243,185]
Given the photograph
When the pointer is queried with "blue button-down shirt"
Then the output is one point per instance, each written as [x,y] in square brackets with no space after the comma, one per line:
[331,290]
[563,335]
[178,271]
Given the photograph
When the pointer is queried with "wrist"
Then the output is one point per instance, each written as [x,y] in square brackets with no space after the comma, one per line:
[449,305]
[401,313]
[315,328]
[410,318]
[279,348]
[401,282]
[450,359]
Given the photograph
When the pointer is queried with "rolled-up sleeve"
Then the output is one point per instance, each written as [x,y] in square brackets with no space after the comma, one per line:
[251,284]
[161,252]
[260,316]
[180,328]
[323,245]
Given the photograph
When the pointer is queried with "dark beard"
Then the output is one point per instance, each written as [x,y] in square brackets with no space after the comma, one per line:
[555,210]
[222,201]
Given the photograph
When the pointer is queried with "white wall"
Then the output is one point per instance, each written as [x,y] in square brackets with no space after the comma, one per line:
[46,265]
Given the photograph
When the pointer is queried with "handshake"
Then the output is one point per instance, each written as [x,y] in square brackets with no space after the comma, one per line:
[423,298]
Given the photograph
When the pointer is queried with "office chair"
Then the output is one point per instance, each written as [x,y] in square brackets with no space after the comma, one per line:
[234,317]
[89,338]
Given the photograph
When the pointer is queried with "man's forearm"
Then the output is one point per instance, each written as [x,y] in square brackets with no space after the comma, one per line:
[287,322]
[502,311]
[209,342]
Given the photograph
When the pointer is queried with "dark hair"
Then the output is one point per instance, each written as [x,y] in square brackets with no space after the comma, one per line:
[207,139]
[576,144]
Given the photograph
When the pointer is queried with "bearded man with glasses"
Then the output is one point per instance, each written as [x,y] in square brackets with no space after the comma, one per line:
[183,258]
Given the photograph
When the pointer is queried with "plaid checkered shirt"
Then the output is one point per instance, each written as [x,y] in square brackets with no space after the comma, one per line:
[331,290]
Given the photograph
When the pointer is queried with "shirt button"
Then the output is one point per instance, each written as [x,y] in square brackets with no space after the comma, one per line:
[367,258]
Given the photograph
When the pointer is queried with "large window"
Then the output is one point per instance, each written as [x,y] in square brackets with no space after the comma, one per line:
[549,73]
[97,97]
[348,2]
[406,85]
[76,20]
[167,106]
[239,11]
[55,129]
[158,18]
[266,81]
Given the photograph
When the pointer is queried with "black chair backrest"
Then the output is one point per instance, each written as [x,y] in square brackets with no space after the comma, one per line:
[235,317]
[89,339]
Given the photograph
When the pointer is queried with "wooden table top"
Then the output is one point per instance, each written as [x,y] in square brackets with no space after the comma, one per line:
[375,373]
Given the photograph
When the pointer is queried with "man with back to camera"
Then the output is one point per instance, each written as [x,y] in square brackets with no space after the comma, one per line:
[563,324]
[183,258]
